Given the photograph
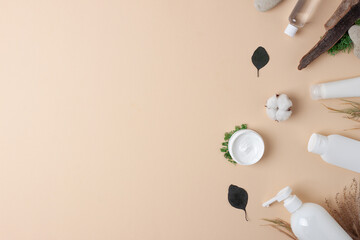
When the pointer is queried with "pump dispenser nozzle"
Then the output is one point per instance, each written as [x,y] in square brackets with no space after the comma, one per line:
[291,202]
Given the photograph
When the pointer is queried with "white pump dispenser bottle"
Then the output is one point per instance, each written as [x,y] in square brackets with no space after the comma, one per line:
[309,221]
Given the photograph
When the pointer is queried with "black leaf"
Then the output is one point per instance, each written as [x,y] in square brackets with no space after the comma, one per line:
[260,58]
[238,198]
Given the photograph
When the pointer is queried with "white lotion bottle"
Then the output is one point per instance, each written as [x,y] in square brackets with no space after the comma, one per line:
[302,12]
[337,150]
[309,221]
[337,89]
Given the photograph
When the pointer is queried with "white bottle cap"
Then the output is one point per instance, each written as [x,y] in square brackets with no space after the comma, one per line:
[317,91]
[291,202]
[317,144]
[291,30]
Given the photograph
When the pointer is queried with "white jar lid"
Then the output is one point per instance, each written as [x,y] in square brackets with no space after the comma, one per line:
[246,147]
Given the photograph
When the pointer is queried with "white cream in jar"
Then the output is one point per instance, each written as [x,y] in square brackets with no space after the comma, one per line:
[246,147]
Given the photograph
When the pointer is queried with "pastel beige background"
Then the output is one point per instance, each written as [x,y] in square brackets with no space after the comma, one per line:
[112,115]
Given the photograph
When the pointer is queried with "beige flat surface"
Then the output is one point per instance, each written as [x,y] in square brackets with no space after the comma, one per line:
[112,115]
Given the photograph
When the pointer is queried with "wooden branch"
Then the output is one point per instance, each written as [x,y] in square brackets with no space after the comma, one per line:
[334,34]
[339,13]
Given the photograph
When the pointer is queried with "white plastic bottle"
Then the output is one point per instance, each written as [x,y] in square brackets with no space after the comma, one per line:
[337,89]
[337,150]
[301,13]
[309,221]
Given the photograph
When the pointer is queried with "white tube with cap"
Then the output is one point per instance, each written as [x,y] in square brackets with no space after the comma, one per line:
[337,150]
[309,221]
[337,89]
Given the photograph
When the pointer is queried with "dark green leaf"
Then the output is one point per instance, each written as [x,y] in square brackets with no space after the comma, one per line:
[238,198]
[260,58]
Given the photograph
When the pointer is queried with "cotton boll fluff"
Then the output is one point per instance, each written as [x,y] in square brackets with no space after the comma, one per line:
[271,113]
[282,115]
[278,107]
[284,102]
[272,103]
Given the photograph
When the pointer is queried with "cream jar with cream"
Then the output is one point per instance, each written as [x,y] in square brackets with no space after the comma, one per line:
[246,147]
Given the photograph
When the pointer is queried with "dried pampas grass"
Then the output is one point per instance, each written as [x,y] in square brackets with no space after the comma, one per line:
[345,210]
[282,226]
[352,112]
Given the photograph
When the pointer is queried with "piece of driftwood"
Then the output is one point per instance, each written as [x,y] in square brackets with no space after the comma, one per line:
[340,12]
[343,18]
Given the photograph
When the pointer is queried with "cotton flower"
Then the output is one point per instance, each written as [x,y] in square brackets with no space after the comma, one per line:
[278,107]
